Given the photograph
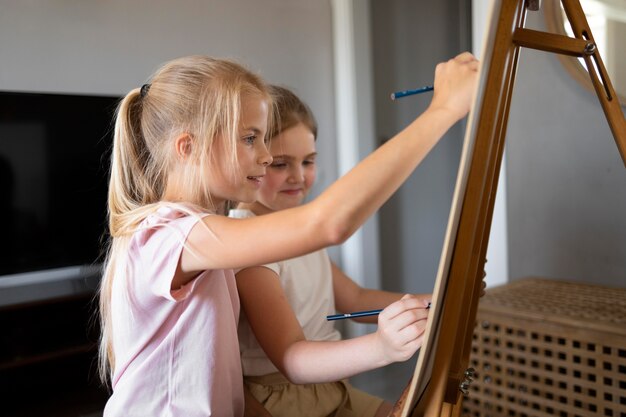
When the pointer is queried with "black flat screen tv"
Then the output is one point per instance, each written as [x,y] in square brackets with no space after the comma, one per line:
[54,163]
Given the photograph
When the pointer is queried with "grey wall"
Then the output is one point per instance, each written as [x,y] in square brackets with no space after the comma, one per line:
[409,38]
[566,184]
[408,43]
[566,181]
[110,47]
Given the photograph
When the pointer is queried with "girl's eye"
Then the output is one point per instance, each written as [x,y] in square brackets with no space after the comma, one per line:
[278,165]
[249,140]
[309,162]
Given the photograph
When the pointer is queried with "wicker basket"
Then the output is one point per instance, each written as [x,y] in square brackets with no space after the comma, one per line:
[549,348]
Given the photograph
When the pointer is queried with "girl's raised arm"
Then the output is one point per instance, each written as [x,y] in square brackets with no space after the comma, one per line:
[339,211]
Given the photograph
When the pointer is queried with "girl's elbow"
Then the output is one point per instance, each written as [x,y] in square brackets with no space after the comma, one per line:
[293,368]
[292,375]
[338,234]
[295,379]
[334,228]
[334,231]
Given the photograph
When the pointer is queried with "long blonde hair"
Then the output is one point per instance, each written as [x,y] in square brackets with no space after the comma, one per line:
[195,95]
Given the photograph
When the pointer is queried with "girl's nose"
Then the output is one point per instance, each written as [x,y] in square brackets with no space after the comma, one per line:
[296,174]
[265,158]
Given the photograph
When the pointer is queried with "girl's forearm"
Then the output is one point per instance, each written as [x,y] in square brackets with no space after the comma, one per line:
[378,176]
[309,362]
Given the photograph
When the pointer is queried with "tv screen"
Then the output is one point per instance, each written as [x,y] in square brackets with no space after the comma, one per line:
[54,156]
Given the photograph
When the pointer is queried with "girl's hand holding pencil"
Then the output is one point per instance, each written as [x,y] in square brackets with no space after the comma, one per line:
[401,328]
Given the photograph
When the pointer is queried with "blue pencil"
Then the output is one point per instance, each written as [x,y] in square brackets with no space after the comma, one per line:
[356,314]
[405,93]
[353,315]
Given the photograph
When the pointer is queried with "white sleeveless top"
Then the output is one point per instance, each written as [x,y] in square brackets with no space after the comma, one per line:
[308,285]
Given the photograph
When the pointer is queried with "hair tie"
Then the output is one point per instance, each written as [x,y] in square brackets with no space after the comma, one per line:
[144,90]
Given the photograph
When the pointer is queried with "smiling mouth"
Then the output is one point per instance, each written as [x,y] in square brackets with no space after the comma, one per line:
[291,192]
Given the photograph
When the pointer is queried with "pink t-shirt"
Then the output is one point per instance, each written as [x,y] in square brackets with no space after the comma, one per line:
[177,352]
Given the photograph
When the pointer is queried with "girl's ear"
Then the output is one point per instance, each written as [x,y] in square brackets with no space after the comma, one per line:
[183,146]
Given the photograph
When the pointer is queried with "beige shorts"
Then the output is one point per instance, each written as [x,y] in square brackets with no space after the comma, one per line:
[337,399]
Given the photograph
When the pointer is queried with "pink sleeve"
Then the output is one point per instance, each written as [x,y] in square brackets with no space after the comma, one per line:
[160,250]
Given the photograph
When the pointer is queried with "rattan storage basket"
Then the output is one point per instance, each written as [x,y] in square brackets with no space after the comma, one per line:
[546,347]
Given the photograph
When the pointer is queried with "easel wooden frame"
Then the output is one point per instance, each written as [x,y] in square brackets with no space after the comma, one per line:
[441,393]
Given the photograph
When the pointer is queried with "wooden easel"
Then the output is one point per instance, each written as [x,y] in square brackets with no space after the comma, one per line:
[450,377]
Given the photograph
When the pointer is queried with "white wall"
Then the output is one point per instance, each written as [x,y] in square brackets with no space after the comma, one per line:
[497,266]
[110,47]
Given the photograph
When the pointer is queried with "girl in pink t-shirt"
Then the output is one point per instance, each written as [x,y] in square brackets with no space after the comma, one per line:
[185,144]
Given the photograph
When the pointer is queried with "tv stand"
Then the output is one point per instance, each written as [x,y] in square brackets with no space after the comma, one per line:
[49,342]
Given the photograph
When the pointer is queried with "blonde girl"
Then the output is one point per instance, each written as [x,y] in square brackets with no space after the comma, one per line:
[186,143]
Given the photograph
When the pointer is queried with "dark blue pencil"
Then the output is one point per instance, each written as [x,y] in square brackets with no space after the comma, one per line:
[353,315]
[405,93]
[356,314]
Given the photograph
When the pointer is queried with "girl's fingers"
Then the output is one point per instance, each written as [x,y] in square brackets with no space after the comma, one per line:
[407,302]
[465,57]
[403,323]
[408,318]
[409,340]
[405,327]
[414,344]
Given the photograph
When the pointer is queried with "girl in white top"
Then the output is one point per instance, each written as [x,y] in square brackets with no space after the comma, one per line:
[185,143]
[296,295]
